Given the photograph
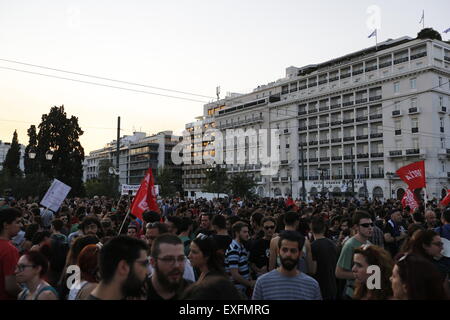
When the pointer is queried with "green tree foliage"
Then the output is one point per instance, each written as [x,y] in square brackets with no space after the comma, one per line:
[216,181]
[29,164]
[242,185]
[429,33]
[169,180]
[11,164]
[106,184]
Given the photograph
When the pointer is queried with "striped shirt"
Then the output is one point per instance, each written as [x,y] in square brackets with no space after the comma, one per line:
[276,286]
[236,257]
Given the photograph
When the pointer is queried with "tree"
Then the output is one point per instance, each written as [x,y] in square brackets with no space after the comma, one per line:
[169,180]
[105,184]
[241,185]
[429,33]
[32,145]
[216,181]
[61,134]
[12,160]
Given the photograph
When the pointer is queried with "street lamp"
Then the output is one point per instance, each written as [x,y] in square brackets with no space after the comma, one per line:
[390,175]
[322,176]
[32,155]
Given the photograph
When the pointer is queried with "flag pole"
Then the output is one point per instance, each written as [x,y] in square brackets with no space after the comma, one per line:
[128,213]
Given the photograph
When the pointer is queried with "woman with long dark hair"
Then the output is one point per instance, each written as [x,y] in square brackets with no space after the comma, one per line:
[205,258]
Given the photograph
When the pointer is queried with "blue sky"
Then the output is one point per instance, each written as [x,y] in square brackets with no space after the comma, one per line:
[190,46]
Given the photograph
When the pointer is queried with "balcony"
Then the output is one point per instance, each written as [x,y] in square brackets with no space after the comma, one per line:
[312,84]
[322,82]
[335,106]
[324,159]
[360,119]
[375,98]
[300,113]
[275,179]
[377,176]
[411,152]
[303,128]
[336,140]
[347,75]
[396,153]
[418,55]
[324,141]
[401,60]
[312,126]
[377,155]
[348,103]
[385,64]
[362,137]
[355,73]
[349,139]
[443,109]
[447,58]
[312,178]
[302,144]
[348,176]
[413,110]
[396,113]
[312,110]
[323,108]
[302,87]
[337,177]
[363,176]
[372,68]
[336,158]
[334,79]
[346,121]
[349,157]
[284,179]
[324,125]
[313,143]
[362,156]
[398,132]
[313,159]
[375,116]
[359,101]
[336,123]
[284,162]
[414,130]
[286,131]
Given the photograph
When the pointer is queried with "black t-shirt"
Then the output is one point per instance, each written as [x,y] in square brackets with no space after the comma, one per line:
[222,241]
[153,295]
[259,253]
[325,252]
[395,231]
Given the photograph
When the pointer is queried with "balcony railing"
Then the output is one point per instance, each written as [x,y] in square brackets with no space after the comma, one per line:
[349,139]
[312,84]
[313,159]
[418,55]
[275,179]
[312,126]
[322,82]
[284,179]
[385,64]
[375,98]
[398,132]
[302,144]
[376,135]
[360,119]
[412,152]
[312,110]
[396,113]
[401,60]
[362,156]
[362,137]
[324,141]
[300,113]
[358,101]
[377,155]
[323,108]
[333,79]
[337,177]
[349,157]
[345,121]
[377,175]
[324,158]
[313,143]
[335,106]
[312,178]
[302,128]
[368,69]
[336,158]
[395,153]
[376,116]
[336,140]
[284,161]
[348,103]
[414,130]
[302,87]
[347,75]
[413,110]
[348,176]
[336,123]
[324,125]
[363,176]
[355,73]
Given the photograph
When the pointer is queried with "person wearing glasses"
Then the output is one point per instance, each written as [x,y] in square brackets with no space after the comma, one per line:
[168,262]
[363,225]
[394,233]
[30,271]
[123,269]
[260,250]
[415,278]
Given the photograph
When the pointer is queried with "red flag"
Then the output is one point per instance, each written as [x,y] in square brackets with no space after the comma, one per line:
[413,175]
[444,202]
[145,198]
[409,199]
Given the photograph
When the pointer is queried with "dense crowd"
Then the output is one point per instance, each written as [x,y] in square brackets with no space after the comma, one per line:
[263,249]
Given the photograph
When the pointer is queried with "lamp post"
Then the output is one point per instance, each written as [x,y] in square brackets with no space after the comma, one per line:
[115,172]
[322,176]
[390,175]
[48,156]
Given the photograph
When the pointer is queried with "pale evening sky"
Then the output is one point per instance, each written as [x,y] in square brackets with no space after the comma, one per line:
[190,46]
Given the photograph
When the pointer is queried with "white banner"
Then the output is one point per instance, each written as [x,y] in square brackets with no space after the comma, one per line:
[126,188]
[55,195]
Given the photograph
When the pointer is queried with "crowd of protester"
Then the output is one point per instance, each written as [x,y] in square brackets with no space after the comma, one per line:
[261,249]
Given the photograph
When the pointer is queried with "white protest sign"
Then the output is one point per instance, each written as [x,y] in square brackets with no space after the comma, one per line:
[126,188]
[55,195]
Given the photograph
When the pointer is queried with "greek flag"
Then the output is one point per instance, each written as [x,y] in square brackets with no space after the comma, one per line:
[423,16]
[447,31]
[373,34]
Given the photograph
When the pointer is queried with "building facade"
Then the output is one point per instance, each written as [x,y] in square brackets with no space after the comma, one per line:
[352,122]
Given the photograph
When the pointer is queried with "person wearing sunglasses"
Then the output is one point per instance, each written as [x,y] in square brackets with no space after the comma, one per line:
[30,270]
[363,224]
[259,251]
[123,269]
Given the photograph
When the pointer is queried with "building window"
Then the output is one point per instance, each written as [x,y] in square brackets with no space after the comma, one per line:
[440,81]
[413,83]
[398,125]
[397,106]
[441,120]
[415,142]
[415,123]
[442,142]
[443,166]
[413,102]
[396,87]
[441,101]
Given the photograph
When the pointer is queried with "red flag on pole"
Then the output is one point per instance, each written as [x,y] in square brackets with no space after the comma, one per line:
[413,175]
[409,199]
[145,198]
[444,202]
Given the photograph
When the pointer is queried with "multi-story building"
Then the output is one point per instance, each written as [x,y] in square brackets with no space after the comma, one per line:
[138,153]
[357,118]
[4,148]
